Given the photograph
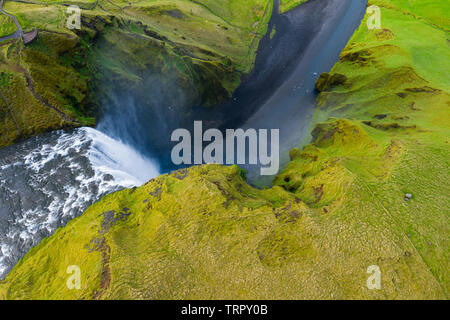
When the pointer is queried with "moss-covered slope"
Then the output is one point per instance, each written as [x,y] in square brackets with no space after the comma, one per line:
[62,77]
[381,132]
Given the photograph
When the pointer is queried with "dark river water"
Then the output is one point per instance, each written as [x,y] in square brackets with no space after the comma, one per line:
[50,179]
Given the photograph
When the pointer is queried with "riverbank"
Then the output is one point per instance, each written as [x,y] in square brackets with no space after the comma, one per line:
[286,5]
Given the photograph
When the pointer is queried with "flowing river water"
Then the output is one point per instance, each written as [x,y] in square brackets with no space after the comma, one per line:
[50,179]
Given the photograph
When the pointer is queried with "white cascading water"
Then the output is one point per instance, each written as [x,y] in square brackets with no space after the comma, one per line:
[48,180]
[123,162]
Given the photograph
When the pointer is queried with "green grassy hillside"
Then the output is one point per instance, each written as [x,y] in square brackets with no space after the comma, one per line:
[7,26]
[203,45]
[381,131]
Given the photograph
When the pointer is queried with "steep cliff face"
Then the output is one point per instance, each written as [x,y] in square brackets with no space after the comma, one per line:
[195,47]
[339,207]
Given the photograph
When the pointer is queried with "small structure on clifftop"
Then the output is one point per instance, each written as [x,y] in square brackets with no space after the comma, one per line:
[28,37]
